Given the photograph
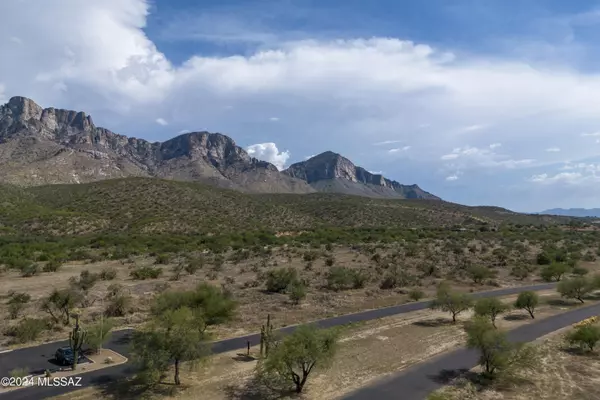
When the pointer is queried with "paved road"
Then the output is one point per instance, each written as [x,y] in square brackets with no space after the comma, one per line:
[36,358]
[417,382]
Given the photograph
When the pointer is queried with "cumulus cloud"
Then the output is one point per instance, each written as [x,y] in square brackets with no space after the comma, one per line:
[162,121]
[495,145]
[579,174]
[451,178]
[269,152]
[95,56]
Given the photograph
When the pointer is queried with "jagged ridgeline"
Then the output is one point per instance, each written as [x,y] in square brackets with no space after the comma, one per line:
[50,146]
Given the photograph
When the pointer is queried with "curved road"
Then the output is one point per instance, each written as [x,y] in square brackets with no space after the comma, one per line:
[36,358]
[418,381]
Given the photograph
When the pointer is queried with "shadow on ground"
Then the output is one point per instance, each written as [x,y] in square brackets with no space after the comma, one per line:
[434,322]
[516,317]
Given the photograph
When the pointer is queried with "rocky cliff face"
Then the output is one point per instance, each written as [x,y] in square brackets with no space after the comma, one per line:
[42,146]
[330,171]
[48,146]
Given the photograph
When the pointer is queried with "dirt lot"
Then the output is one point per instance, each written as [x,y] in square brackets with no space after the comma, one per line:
[243,276]
[368,351]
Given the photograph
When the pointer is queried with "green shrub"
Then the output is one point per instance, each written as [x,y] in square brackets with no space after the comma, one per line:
[108,274]
[27,330]
[297,292]
[586,336]
[342,278]
[162,259]
[146,272]
[52,266]
[480,273]
[279,279]
[30,270]
[416,294]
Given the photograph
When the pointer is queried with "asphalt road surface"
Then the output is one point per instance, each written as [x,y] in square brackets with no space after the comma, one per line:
[417,382]
[36,359]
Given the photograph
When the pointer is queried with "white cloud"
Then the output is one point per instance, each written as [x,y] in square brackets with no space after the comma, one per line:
[162,121]
[553,150]
[16,40]
[96,56]
[376,172]
[579,174]
[399,149]
[274,119]
[181,132]
[452,178]
[472,128]
[495,145]
[387,142]
[269,152]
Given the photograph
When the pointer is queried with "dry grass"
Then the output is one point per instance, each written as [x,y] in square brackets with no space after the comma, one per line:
[368,351]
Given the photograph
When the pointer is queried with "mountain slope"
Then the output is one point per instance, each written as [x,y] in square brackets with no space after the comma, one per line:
[330,172]
[148,205]
[573,212]
[49,146]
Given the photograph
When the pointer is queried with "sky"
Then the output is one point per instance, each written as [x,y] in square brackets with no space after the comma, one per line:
[481,102]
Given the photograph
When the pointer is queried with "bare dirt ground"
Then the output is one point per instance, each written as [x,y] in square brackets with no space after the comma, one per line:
[242,277]
[368,351]
[562,374]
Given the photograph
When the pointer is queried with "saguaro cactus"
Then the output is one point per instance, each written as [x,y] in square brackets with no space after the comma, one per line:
[76,340]
[266,337]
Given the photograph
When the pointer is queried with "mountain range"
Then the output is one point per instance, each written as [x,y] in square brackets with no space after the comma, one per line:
[573,212]
[41,146]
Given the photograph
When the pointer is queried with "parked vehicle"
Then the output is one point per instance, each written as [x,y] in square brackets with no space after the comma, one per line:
[64,356]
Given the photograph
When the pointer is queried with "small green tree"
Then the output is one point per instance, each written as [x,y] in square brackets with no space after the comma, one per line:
[520,272]
[496,354]
[60,303]
[297,292]
[211,304]
[173,336]
[586,336]
[450,301]
[554,271]
[575,288]
[479,273]
[527,300]
[99,333]
[293,359]
[490,308]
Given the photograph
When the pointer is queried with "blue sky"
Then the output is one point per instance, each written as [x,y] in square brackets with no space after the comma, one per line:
[479,102]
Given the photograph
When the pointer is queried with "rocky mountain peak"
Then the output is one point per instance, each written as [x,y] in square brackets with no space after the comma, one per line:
[322,170]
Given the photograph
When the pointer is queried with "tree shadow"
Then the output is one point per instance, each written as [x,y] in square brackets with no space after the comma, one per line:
[578,351]
[516,317]
[563,303]
[446,376]
[255,389]
[243,357]
[434,322]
